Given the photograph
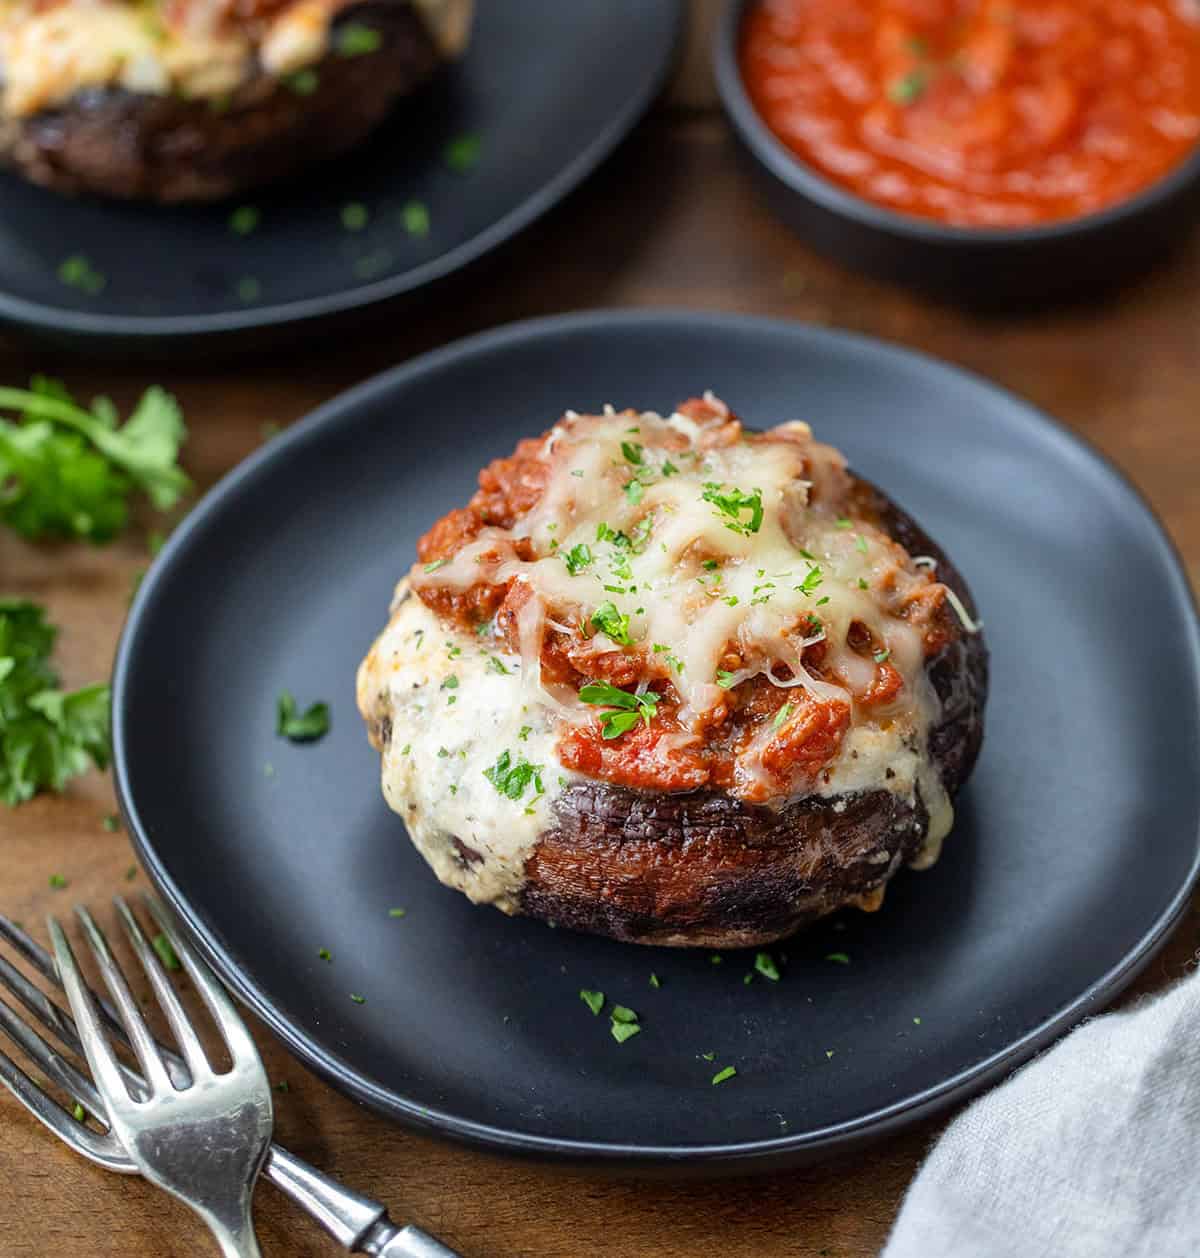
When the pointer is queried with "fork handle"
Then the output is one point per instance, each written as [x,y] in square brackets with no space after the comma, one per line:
[356,1222]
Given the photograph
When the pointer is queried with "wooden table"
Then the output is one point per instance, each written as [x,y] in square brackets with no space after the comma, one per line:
[1125,374]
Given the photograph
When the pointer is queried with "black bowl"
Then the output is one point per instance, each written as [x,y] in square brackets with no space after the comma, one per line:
[980,266]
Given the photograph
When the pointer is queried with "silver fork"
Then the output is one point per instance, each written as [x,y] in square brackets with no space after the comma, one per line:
[205,1143]
[353,1220]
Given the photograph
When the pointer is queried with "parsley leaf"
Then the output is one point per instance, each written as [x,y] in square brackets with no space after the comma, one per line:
[613,623]
[300,727]
[68,472]
[632,707]
[512,779]
[812,580]
[731,505]
[577,558]
[722,1075]
[47,735]
[593,1000]
[764,963]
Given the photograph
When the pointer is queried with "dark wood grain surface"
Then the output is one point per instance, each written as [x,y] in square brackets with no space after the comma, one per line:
[672,221]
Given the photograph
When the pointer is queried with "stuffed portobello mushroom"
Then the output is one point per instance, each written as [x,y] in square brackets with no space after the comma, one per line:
[193,100]
[677,683]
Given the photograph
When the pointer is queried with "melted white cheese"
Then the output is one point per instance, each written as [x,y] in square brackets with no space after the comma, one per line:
[50,52]
[445,736]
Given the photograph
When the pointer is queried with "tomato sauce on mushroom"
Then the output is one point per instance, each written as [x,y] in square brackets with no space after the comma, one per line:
[980,113]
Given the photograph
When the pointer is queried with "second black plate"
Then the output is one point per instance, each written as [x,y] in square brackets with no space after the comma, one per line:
[546,90]
[1074,850]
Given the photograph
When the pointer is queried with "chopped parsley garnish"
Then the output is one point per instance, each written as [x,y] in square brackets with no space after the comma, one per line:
[881,657]
[463,153]
[131,873]
[620,1013]
[303,82]
[324,954]
[355,216]
[622,1031]
[497,665]
[358,1000]
[577,558]
[916,1022]
[716,959]
[722,1075]
[655,981]
[283,1086]
[669,468]
[435,565]
[764,963]
[414,218]
[166,954]
[812,579]
[630,707]
[634,491]
[908,88]
[731,505]
[839,958]
[244,220]
[67,471]
[112,823]
[731,601]
[524,732]
[710,564]
[782,715]
[355,39]
[47,735]
[593,1000]
[640,533]
[248,289]
[605,533]
[725,679]
[58,882]
[860,543]
[613,623]
[863,584]
[77,272]
[78,1113]
[513,778]
[842,523]
[633,452]
[300,727]
[451,683]
[397,912]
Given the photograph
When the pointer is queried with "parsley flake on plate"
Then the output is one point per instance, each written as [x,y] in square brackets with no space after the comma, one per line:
[414,218]
[764,963]
[462,154]
[300,727]
[838,958]
[593,1000]
[727,1073]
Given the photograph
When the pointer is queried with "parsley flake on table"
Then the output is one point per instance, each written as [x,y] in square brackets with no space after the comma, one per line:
[69,472]
[166,954]
[300,727]
[631,708]
[513,778]
[47,735]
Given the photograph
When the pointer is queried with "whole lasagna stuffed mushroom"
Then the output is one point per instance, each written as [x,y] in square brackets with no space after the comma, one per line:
[674,682]
[192,100]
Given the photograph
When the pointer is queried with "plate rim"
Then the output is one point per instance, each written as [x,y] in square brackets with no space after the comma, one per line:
[60,322]
[738,1157]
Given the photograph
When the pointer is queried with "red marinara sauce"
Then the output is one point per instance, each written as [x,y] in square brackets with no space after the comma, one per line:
[980,113]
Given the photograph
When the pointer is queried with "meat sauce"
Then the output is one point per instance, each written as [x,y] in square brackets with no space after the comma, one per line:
[796,733]
[980,113]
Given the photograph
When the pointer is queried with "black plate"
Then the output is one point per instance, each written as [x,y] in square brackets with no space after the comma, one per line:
[548,88]
[1076,841]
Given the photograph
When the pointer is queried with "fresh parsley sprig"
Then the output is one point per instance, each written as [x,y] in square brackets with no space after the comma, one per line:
[47,735]
[730,506]
[631,708]
[513,778]
[69,472]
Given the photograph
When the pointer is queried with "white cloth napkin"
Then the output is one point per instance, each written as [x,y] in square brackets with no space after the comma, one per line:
[1091,1150]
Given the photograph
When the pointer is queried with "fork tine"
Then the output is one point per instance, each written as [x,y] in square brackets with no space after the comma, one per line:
[51,1062]
[103,1150]
[144,1047]
[237,1037]
[99,1053]
[181,1025]
[57,1021]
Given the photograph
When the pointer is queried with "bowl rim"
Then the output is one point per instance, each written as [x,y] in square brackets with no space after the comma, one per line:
[804,180]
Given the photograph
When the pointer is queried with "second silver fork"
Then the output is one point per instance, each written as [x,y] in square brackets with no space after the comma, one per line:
[204,1144]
